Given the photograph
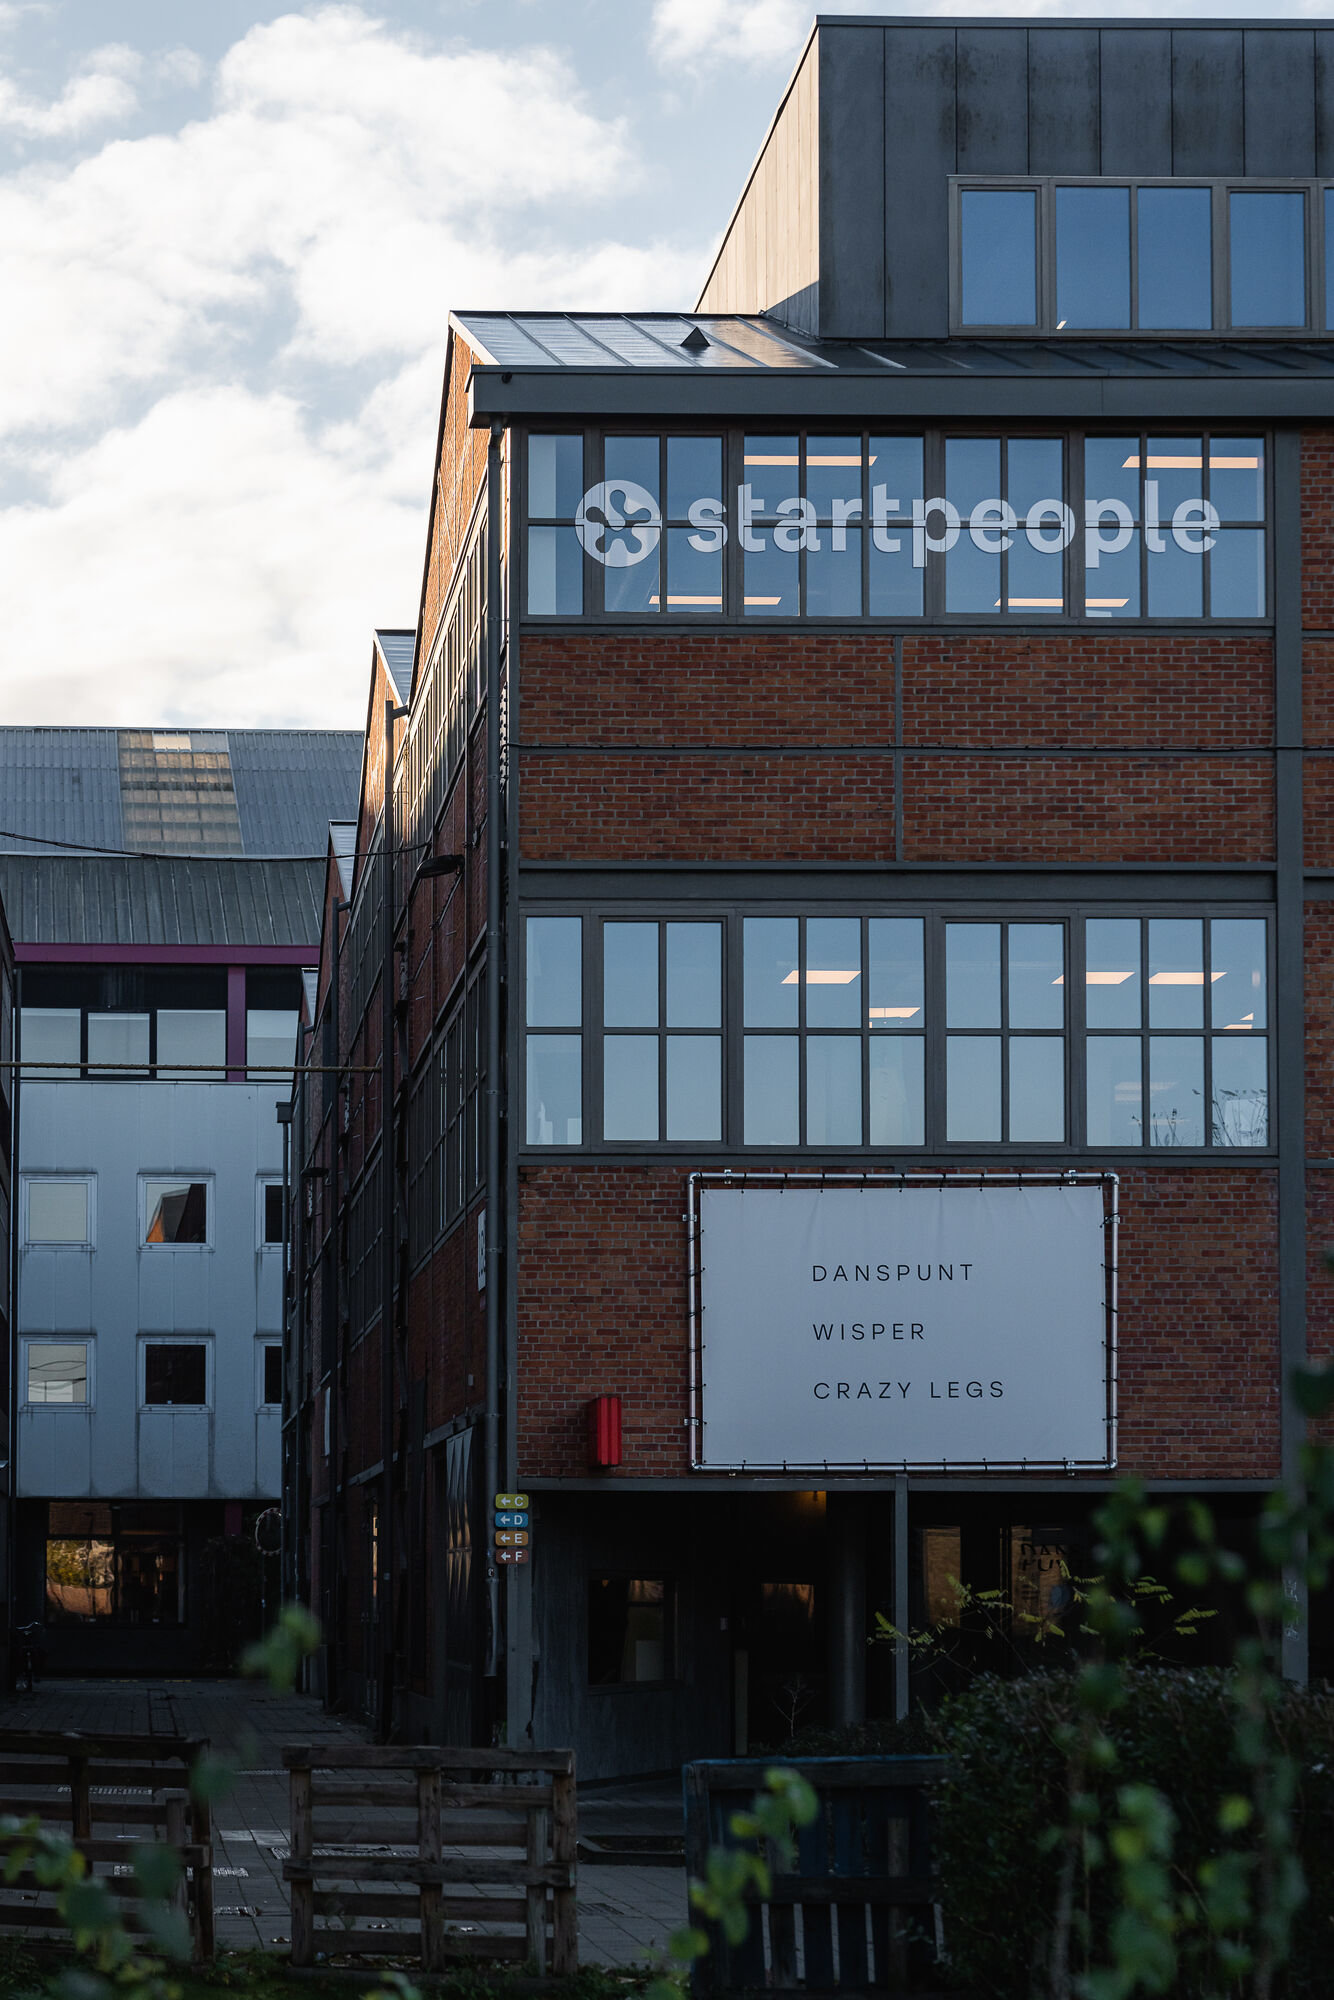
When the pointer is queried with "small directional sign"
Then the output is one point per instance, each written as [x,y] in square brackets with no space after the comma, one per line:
[511,1502]
[511,1520]
[511,1538]
[511,1555]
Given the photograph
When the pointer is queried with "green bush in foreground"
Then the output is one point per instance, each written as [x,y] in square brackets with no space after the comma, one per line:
[1174,1731]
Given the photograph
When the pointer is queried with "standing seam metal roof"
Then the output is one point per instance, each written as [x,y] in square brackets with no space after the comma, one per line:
[133,900]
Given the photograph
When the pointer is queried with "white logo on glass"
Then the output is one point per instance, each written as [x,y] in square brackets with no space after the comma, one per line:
[618,523]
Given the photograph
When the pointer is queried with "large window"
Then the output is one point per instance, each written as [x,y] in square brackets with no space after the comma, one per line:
[125,1021]
[175,1212]
[1116,257]
[933,525]
[272,1011]
[115,1563]
[57,1372]
[60,1212]
[629,1631]
[898,1031]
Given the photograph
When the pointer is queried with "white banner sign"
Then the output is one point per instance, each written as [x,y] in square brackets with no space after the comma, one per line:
[903,1325]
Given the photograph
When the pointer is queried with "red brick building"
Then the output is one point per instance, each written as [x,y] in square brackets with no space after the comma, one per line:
[858,811]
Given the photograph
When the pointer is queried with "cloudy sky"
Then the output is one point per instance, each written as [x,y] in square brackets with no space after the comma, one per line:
[229,236]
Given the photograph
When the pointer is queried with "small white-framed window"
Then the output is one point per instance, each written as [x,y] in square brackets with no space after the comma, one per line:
[175,1211]
[270,1371]
[58,1211]
[176,1372]
[58,1373]
[270,1215]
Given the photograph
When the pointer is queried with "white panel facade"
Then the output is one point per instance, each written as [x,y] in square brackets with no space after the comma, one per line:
[119,1292]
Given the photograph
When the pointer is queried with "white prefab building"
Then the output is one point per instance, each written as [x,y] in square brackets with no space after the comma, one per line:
[165,903]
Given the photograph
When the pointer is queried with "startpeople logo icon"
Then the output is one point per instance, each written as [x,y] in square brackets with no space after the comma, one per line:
[618,523]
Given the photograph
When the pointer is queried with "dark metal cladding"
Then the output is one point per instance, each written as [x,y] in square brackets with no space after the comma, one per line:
[187,900]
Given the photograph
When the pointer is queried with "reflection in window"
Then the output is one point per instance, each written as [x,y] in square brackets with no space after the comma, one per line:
[666,978]
[554,947]
[1092,257]
[52,1041]
[192,1044]
[998,254]
[57,1372]
[1175,259]
[118,1042]
[629,1631]
[1268,245]
[118,1563]
[1005,1052]
[175,1212]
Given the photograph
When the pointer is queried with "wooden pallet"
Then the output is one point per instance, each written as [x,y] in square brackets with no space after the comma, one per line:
[433,1813]
[84,1787]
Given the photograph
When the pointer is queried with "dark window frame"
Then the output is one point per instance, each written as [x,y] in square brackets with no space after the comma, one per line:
[176,1344]
[671,1633]
[1072,916]
[934,613]
[1220,187]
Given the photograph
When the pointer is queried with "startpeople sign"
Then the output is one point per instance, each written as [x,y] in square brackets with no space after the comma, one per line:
[903,1325]
[619,524]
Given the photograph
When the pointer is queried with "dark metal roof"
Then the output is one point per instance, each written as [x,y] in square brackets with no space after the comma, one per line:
[396,650]
[62,787]
[189,900]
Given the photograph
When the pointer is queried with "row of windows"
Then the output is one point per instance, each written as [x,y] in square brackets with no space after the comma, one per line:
[115,1563]
[928,525]
[173,1373]
[898,1031]
[451,692]
[447,1136]
[125,1022]
[60,1211]
[1126,256]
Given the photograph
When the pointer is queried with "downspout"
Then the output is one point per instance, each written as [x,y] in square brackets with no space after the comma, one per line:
[388,1248]
[495,965]
[334,1650]
[15,1200]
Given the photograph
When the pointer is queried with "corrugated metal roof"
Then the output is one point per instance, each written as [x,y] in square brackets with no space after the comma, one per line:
[184,900]
[63,787]
[343,840]
[651,342]
[290,783]
[61,784]
[396,650]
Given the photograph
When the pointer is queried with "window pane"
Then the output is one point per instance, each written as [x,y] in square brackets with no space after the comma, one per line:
[630,975]
[1111,590]
[79,1579]
[175,1212]
[632,586]
[120,1040]
[833,972]
[972,975]
[769,1090]
[191,1036]
[58,1372]
[555,573]
[1037,1087]
[769,977]
[895,998]
[273,1374]
[270,1037]
[1237,969]
[1092,257]
[998,257]
[834,475]
[554,976]
[1176,1090]
[694,975]
[555,476]
[1175,258]
[57,1211]
[50,1035]
[897,1065]
[1268,237]
[555,1090]
[834,575]
[1037,975]
[1241,1091]
[833,1090]
[694,1087]
[694,472]
[972,1087]
[1111,472]
[972,578]
[1034,472]
[273,1212]
[1112,972]
[628,1636]
[694,578]
[972,473]
[633,459]
[1174,581]
[1237,574]
[1176,972]
[1114,1088]
[1237,478]
[175,1374]
[630,1087]
[895,587]
[770,579]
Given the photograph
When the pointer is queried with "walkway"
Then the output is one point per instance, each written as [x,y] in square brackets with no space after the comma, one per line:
[626,1913]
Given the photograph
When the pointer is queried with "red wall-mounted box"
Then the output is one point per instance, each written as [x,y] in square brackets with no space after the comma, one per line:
[604,1431]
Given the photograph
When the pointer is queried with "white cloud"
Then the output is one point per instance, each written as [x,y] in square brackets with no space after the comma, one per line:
[103,93]
[691,32]
[219,399]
